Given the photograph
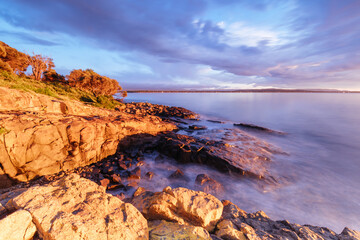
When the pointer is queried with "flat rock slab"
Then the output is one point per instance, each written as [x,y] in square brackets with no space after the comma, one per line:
[77,208]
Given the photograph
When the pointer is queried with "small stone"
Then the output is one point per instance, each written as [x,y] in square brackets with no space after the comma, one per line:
[139,191]
[178,175]
[136,172]
[104,182]
[122,166]
[149,175]
[116,178]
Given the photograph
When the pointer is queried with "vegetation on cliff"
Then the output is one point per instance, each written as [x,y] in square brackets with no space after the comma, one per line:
[82,85]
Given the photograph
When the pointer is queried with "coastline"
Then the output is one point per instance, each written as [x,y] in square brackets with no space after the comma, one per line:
[122,170]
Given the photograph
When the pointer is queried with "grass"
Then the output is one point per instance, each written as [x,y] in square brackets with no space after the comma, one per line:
[55,89]
[3,130]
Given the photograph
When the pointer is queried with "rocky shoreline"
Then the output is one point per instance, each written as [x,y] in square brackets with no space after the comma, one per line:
[70,171]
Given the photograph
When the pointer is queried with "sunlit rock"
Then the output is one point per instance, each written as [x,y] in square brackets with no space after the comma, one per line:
[77,208]
[180,205]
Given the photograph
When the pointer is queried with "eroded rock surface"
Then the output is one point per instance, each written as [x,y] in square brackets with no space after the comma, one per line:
[142,108]
[237,224]
[250,159]
[47,141]
[180,205]
[77,208]
[163,230]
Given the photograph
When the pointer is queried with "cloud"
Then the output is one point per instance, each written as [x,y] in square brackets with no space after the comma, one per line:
[28,38]
[309,41]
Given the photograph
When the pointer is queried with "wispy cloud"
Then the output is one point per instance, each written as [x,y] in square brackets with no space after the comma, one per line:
[304,42]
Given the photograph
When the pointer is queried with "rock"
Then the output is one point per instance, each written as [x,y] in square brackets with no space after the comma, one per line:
[208,185]
[179,175]
[136,172]
[41,140]
[249,160]
[17,225]
[180,205]
[258,225]
[122,166]
[197,127]
[259,128]
[77,208]
[139,191]
[149,175]
[163,230]
[348,234]
[228,231]
[104,182]
[116,178]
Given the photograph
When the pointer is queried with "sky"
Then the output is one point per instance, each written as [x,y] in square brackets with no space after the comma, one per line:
[194,44]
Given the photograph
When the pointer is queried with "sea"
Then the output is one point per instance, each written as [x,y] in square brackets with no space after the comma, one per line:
[322,145]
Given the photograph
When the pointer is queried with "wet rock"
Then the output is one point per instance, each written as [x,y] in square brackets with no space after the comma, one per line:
[149,175]
[116,178]
[180,205]
[249,160]
[159,110]
[139,191]
[197,127]
[163,230]
[77,208]
[214,121]
[122,166]
[258,128]
[136,172]
[104,182]
[179,175]
[115,186]
[208,185]
[17,225]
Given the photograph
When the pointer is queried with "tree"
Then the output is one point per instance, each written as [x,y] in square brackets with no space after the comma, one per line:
[40,64]
[12,60]
[52,76]
[89,80]
[124,94]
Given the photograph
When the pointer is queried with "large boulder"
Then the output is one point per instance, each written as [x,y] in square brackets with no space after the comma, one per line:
[77,208]
[180,205]
[46,141]
[17,226]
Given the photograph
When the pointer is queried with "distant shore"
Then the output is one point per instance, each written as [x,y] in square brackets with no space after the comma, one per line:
[245,91]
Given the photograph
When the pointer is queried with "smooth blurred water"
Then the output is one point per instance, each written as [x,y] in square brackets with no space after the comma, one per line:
[323,141]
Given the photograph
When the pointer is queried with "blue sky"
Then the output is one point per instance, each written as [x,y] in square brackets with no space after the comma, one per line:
[194,44]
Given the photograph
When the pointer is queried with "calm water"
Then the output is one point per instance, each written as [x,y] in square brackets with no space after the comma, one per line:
[323,142]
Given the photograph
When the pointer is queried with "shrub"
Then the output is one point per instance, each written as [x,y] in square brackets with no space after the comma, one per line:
[89,80]
[17,61]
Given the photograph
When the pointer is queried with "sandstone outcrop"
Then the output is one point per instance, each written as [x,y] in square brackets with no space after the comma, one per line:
[46,141]
[180,205]
[77,208]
